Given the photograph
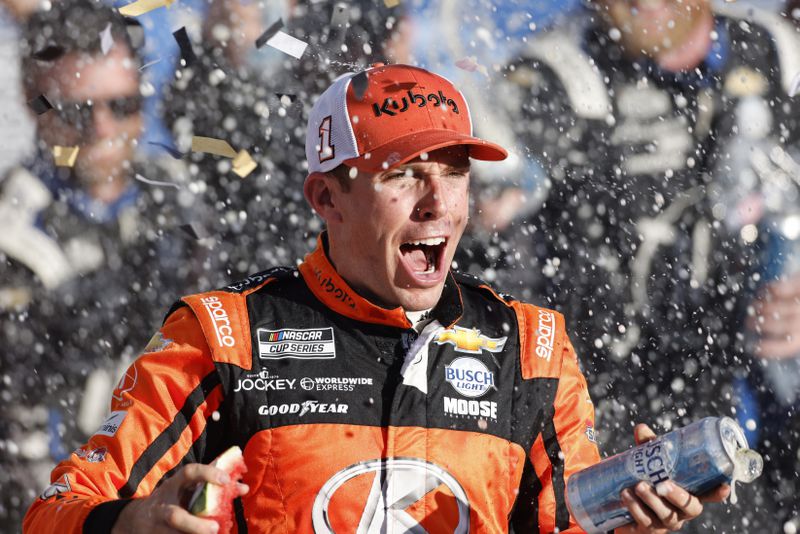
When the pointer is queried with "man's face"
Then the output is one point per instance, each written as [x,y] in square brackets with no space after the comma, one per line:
[652,27]
[398,230]
[101,111]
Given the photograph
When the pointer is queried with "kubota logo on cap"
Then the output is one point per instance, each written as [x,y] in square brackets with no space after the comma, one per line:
[392,107]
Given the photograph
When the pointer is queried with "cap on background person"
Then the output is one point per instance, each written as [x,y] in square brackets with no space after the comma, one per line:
[388,115]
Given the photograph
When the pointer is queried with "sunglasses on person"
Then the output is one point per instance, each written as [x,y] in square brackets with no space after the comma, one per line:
[81,114]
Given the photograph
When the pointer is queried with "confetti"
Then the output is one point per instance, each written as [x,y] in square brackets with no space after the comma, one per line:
[360,82]
[391,3]
[794,88]
[140,7]
[269,33]
[49,53]
[470,64]
[339,22]
[149,64]
[135,32]
[187,53]
[291,97]
[243,164]
[155,182]
[40,105]
[106,41]
[195,230]
[211,145]
[287,44]
[174,152]
[65,156]
[340,16]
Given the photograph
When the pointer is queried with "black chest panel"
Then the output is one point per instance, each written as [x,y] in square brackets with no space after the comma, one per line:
[311,365]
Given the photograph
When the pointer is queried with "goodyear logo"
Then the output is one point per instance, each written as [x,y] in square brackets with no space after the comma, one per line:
[470,340]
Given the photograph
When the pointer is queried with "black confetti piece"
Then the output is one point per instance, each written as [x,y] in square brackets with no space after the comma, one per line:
[40,105]
[195,230]
[49,53]
[174,152]
[360,82]
[187,53]
[269,33]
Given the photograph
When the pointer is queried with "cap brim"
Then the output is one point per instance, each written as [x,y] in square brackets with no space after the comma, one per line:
[404,149]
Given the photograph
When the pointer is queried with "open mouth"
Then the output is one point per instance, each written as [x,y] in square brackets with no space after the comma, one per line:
[424,256]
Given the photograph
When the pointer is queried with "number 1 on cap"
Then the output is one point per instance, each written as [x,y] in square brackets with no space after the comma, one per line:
[326,149]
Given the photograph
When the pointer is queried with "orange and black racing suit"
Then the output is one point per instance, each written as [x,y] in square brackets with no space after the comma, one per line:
[349,419]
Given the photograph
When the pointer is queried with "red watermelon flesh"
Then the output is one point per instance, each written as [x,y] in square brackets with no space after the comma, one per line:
[215,501]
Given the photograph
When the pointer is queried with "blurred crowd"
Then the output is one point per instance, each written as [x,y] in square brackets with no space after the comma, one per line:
[651,195]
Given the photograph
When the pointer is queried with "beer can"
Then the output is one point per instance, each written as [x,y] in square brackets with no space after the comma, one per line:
[697,457]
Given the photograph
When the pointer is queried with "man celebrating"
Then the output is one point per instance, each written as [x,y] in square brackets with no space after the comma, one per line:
[372,388]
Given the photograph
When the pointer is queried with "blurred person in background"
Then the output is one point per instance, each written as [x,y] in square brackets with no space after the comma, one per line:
[16,127]
[644,115]
[257,99]
[88,247]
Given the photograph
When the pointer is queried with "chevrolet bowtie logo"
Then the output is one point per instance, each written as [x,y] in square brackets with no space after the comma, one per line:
[470,340]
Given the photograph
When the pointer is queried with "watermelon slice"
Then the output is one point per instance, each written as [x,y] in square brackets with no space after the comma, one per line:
[213,501]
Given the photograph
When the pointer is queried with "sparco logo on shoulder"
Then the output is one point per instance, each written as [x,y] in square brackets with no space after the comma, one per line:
[222,324]
[546,334]
[395,486]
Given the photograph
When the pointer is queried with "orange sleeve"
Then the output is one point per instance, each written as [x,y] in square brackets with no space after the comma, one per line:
[158,410]
[566,444]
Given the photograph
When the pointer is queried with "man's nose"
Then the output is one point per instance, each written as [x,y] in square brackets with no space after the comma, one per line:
[433,204]
[104,123]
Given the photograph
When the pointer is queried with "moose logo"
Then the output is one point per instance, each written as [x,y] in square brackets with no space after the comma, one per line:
[392,107]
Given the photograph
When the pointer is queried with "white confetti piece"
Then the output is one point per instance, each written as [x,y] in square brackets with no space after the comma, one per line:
[470,64]
[155,182]
[795,87]
[287,44]
[106,41]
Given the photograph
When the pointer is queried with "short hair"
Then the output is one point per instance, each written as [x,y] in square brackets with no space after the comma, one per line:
[72,26]
[342,174]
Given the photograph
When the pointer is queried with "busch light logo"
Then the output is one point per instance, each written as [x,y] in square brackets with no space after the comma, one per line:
[469,376]
[653,462]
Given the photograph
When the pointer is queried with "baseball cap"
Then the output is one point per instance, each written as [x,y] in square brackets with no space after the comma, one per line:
[401,112]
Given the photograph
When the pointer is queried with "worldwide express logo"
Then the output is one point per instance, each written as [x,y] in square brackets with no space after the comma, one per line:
[303,344]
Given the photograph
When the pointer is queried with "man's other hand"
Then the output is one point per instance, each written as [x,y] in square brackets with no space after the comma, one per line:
[665,507]
[163,511]
[775,317]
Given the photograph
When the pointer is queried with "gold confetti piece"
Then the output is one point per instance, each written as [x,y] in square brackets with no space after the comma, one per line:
[212,146]
[140,7]
[391,3]
[243,164]
[65,156]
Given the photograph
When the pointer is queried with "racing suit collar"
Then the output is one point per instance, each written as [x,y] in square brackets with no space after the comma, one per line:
[331,289]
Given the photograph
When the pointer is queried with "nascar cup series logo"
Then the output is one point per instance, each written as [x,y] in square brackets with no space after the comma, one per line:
[469,376]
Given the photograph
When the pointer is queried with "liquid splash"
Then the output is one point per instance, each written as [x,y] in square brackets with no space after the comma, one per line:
[747,466]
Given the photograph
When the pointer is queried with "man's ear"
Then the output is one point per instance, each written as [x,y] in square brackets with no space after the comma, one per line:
[319,192]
